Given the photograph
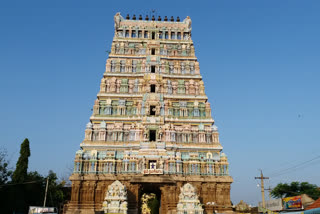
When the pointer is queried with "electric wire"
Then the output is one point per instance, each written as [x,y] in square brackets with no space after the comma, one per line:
[29,182]
[296,167]
[281,171]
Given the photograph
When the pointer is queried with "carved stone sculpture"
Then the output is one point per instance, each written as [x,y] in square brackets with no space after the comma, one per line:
[189,202]
[188,22]
[116,199]
[117,19]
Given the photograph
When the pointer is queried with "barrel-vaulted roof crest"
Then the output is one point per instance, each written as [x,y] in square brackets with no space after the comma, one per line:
[120,23]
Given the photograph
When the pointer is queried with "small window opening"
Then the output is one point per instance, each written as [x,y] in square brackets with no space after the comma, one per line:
[153,35]
[153,69]
[146,34]
[153,88]
[160,35]
[152,110]
[152,164]
[153,51]
[166,35]
[133,34]
[127,33]
[179,35]
[152,135]
[173,35]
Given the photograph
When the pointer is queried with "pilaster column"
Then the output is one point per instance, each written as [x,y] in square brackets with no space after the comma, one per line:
[169,199]
[75,193]
[133,197]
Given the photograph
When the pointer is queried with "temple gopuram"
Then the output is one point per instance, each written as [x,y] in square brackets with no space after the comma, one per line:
[151,134]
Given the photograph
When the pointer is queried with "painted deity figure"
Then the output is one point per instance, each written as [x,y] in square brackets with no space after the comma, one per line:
[113,84]
[96,107]
[191,68]
[146,134]
[107,85]
[174,87]
[171,68]
[188,22]
[201,87]
[187,87]
[161,163]
[157,109]
[103,85]
[117,19]
[169,87]
[136,86]
[143,163]
[131,85]
[196,86]
[160,132]
[118,86]
[117,48]
[88,134]
[139,107]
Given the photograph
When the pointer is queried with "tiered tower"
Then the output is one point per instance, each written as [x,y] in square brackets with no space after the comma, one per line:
[151,127]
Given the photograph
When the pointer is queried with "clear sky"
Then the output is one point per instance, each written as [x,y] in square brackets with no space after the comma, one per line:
[260,62]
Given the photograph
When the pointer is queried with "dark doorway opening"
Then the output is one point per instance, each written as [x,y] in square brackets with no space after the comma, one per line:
[153,69]
[153,35]
[153,51]
[152,135]
[153,192]
[152,110]
[153,88]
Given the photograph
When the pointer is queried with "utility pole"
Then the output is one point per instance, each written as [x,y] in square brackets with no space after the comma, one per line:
[45,195]
[269,189]
[262,188]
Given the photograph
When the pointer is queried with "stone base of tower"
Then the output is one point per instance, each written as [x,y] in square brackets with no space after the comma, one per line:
[88,192]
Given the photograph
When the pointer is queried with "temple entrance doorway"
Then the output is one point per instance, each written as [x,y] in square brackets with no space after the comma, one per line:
[150,199]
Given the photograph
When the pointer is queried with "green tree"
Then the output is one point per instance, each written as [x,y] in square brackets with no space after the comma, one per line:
[34,188]
[55,190]
[5,172]
[28,188]
[153,204]
[283,190]
[21,172]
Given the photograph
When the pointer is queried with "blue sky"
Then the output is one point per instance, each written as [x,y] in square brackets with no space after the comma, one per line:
[259,60]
